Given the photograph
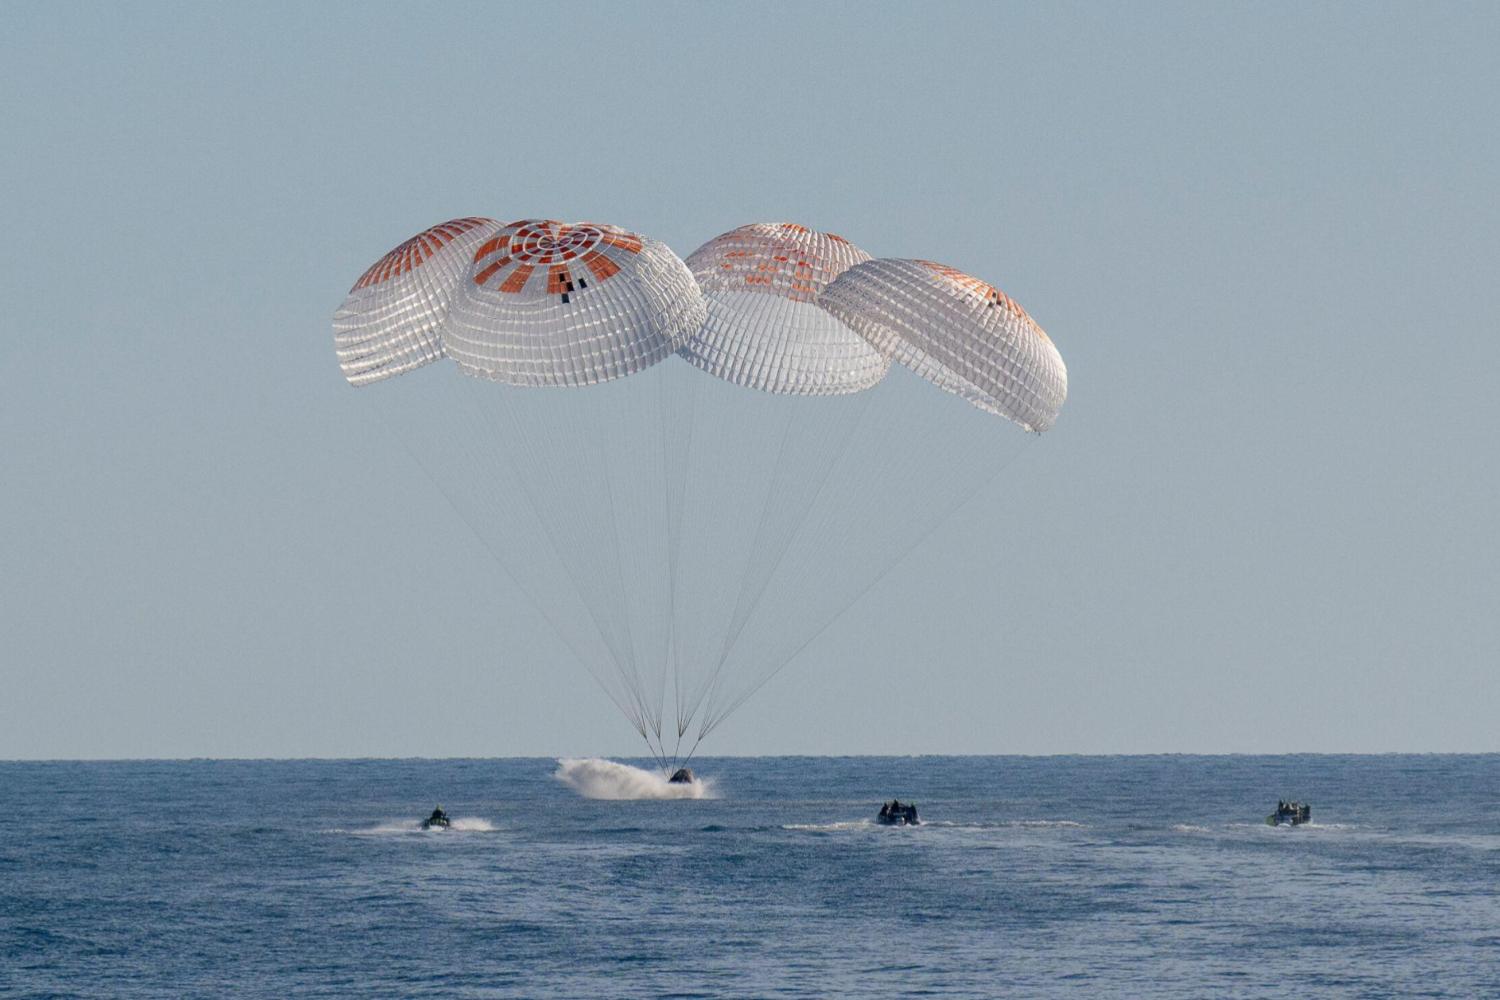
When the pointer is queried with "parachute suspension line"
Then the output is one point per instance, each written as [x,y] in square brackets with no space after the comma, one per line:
[612,516]
[674,502]
[665,508]
[793,530]
[635,674]
[613,507]
[520,431]
[705,686]
[855,514]
[952,509]
[607,485]
[526,435]
[691,750]
[663,502]
[823,536]
[480,460]
[835,432]
[645,505]
[575,560]
[539,605]
[658,752]
[669,504]
[760,529]
[876,489]
[675,547]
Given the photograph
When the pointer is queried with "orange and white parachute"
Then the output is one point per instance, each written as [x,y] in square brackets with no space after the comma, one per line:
[764,328]
[389,323]
[544,303]
[957,332]
[686,536]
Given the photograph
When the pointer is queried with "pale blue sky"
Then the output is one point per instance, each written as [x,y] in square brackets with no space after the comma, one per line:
[1264,240]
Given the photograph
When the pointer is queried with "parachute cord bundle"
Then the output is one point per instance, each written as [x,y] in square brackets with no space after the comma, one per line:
[687,540]
[885,502]
[948,509]
[790,516]
[460,506]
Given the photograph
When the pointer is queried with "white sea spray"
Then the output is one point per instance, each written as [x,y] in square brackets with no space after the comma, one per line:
[597,778]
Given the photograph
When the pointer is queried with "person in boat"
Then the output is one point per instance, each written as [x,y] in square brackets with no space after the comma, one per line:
[895,813]
[438,818]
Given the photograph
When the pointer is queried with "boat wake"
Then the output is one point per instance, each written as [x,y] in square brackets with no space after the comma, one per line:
[597,778]
[1007,824]
[854,824]
[461,824]
[940,824]
[1288,828]
[472,824]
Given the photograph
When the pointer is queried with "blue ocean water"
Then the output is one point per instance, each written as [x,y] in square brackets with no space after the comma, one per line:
[1087,876]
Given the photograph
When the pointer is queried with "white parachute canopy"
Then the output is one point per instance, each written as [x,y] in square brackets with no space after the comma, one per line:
[389,322]
[764,328]
[957,332]
[687,536]
[547,304]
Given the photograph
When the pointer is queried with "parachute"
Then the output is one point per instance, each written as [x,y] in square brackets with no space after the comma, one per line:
[389,322]
[764,328]
[527,315]
[958,332]
[690,468]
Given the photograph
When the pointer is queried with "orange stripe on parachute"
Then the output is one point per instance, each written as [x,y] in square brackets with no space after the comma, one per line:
[490,245]
[624,241]
[517,279]
[600,266]
[490,269]
[415,251]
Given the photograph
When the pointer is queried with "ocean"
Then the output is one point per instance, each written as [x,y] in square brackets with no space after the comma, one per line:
[1030,877]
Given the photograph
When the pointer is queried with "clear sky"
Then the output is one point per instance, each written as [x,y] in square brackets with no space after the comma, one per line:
[1264,240]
